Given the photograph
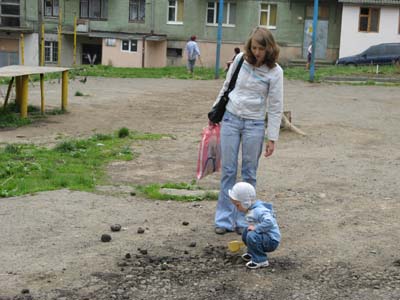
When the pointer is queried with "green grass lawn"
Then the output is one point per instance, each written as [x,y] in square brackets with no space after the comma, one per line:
[299,73]
[73,164]
[202,73]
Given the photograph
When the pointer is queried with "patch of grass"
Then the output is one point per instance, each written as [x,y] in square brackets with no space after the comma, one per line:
[153,191]
[201,73]
[12,149]
[123,132]
[102,137]
[299,73]
[79,94]
[73,164]
[10,117]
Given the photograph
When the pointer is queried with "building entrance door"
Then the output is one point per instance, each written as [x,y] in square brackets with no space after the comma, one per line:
[91,54]
[321,41]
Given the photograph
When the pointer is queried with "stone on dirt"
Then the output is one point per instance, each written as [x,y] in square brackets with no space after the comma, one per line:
[115,227]
[105,238]
[140,230]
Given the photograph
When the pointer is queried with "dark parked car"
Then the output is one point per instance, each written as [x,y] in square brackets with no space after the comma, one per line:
[379,54]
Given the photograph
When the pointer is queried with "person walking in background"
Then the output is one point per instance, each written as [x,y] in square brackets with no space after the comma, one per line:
[309,54]
[229,62]
[193,52]
[259,88]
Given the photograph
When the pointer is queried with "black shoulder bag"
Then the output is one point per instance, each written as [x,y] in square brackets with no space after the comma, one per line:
[217,112]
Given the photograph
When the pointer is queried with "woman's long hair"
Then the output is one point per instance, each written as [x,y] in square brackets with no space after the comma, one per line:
[265,38]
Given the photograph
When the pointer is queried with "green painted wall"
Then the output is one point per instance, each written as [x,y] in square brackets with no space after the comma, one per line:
[289,31]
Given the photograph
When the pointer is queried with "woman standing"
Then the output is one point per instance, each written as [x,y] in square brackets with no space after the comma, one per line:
[258,89]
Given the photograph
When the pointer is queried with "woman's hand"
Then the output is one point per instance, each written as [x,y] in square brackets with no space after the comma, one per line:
[251,228]
[269,148]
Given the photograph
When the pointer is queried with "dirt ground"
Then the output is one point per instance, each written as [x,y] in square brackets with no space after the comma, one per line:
[335,191]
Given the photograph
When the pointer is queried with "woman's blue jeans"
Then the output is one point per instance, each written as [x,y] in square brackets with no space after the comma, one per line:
[250,134]
[258,244]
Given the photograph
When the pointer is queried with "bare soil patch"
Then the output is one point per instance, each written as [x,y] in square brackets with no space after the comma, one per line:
[335,191]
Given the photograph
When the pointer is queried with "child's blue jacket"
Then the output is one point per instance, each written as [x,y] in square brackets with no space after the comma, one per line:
[262,216]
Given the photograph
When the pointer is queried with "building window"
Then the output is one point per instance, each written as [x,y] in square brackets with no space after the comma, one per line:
[129,45]
[93,9]
[268,15]
[9,13]
[175,11]
[229,13]
[369,19]
[174,52]
[137,10]
[323,12]
[50,52]
[51,8]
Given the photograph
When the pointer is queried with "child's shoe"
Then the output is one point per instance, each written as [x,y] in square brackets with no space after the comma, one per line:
[254,265]
[246,257]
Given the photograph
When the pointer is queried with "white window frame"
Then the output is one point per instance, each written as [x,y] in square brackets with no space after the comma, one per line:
[50,45]
[130,46]
[227,17]
[55,9]
[140,4]
[268,11]
[175,7]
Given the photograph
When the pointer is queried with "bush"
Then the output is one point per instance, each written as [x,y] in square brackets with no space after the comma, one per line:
[123,132]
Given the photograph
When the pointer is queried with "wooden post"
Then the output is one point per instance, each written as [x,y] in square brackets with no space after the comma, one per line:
[24,96]
[64,90]
[8,93]
[42,93]
[18,91]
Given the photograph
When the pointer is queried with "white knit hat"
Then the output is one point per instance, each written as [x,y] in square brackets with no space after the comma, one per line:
[243,192]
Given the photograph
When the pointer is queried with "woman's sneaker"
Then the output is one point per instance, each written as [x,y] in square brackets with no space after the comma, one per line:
[246,257]
[254,265]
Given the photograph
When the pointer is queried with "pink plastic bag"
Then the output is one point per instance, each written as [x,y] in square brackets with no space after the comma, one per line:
[209,160]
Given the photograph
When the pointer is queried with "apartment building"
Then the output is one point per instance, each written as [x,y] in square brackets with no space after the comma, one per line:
[153,33]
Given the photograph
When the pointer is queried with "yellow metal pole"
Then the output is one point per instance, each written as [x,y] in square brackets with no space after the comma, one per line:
[59,37]
[75,20]
[42,47]
[18,90]
[42,93]
[64,90]
[24,96]
[8,92]
[22,40]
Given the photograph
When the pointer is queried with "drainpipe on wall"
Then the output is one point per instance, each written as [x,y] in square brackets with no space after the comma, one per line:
[40,32]
[152,15]
[143,49]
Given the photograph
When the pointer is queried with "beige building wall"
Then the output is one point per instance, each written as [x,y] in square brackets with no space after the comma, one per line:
[155,54]
[114,56]
[9,45]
